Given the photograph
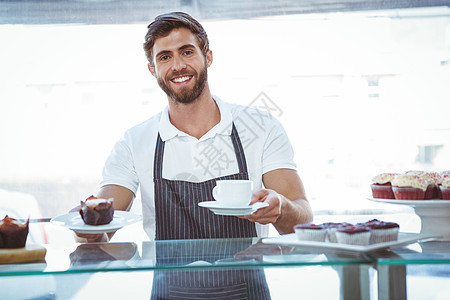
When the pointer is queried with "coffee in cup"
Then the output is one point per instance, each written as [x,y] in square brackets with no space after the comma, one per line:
[233,193]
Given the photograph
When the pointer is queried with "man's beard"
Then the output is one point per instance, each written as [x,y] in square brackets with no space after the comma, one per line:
[186,95]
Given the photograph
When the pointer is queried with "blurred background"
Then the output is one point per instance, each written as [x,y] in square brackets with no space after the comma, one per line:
[362,87]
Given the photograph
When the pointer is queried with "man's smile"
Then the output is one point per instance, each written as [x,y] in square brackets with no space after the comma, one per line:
[182,79]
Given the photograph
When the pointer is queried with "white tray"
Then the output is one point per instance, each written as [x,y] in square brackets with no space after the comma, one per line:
[403,239]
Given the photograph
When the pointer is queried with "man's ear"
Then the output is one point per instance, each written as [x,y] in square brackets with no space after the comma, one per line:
[209,58]
[151,69]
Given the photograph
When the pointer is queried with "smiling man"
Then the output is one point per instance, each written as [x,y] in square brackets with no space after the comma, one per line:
[176,156]
[176,61]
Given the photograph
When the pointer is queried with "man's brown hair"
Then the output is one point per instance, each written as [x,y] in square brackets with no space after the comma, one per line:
[164,24]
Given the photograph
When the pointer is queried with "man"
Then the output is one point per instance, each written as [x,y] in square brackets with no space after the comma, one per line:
[158,154]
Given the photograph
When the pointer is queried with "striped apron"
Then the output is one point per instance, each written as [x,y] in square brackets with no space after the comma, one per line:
[179,217]
[177,213]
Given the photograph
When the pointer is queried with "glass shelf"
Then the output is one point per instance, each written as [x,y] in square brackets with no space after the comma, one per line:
[180,254]
[431,252]
[213,253]
[354,272]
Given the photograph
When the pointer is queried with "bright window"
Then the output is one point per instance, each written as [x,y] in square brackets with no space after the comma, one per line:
[360,91]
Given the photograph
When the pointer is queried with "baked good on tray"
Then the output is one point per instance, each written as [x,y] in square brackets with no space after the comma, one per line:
[382,232]
[381,186]
[353,235]
[332,228]
[13,234]
[310,232]
[409,187]
[367,233]
[97,211]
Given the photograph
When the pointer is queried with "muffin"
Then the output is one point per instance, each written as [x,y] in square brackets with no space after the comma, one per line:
[353,235]
[332,228]
[409,187]
[310,232]
[96,211]
[381,186]
[445,188]
[382,232]
[13,234]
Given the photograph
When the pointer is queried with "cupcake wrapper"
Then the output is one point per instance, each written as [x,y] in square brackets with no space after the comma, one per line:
[383,235]
[437,194]
[97,217]
[332,235]
[408,193]
[382,191]
[317,235]
[361,238]
[445,193]
[429,192]
[16,238]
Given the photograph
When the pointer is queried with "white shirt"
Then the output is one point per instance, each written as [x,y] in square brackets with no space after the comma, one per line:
[130,164]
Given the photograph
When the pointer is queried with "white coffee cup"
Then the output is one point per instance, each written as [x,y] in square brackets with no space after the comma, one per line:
[233,193]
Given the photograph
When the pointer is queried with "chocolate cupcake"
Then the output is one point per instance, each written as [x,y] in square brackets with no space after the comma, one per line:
[96,211]
[13,234]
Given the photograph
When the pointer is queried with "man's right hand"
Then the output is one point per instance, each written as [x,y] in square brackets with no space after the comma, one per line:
[123,198]
[91,238]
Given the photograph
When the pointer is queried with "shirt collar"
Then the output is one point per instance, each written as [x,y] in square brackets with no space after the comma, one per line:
[168,131]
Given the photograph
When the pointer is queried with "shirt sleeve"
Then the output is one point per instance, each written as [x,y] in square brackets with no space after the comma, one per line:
[278,152]
[119,168]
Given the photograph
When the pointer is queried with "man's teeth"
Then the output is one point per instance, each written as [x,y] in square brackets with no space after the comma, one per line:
[181,79]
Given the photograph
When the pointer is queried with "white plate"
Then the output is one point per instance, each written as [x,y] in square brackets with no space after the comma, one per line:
[74,222]
[415,203]
[403,239]
[219,209]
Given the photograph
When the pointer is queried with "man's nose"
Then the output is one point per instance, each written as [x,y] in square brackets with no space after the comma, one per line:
[178,64]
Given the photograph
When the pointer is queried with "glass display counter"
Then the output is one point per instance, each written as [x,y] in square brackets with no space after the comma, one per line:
[229,268]
[419,271]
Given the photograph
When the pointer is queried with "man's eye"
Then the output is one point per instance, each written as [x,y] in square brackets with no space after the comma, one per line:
[188,52]
[164,58]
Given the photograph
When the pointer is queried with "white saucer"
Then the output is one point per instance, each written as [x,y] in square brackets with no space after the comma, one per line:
[74,222]
[220,209]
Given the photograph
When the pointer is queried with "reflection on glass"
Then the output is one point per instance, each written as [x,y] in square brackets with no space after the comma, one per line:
[213,283]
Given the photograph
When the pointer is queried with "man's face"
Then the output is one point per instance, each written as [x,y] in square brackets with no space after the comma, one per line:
[180,67]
